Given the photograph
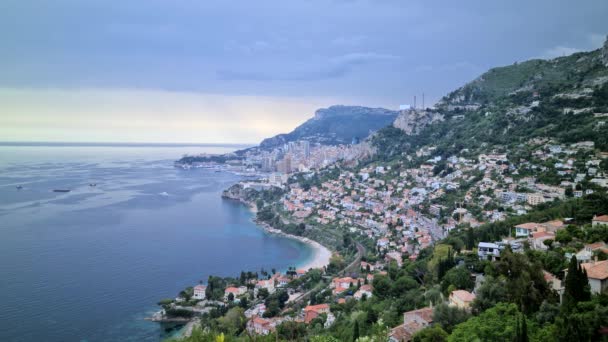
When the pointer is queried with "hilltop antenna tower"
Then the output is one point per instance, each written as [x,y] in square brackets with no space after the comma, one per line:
[414,101]
[422,101]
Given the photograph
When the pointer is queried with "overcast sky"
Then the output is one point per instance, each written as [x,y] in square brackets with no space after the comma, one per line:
[239,71]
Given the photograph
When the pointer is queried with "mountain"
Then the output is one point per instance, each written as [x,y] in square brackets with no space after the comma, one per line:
[564,99]
[336,125]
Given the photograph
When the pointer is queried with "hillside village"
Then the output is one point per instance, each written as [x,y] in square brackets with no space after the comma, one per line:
[446,230]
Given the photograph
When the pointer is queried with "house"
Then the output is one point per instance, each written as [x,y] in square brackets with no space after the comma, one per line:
[235,291]
[365,265]
[265,284]
[282,281]
[313,311]
[599,220]
[552,226]
[597,273]
[461,299]
[525,229]
[300,273]
[363,290]
[488,251]
[537,240]
[340,285]
[260,326]
[553,281]
[257,310]
[413,321]
[199,291]
[586,254]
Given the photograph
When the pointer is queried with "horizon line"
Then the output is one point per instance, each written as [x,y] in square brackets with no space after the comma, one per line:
[120,143]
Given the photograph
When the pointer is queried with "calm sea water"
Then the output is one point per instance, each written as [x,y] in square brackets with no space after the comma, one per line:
[90,264]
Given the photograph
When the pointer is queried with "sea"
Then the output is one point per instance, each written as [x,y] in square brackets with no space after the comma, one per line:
[91,264]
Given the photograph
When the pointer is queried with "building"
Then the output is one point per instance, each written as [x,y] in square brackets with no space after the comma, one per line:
[363,290]
[525,229]
[553,281]
[265,284]
[535,199]
[488,251]
[597,273]
[235,291]
[413,321]
[599,220]
[586,254]
[461,299]
[537,240]
[260,326]
[199,291]
[340,285]
[313,311]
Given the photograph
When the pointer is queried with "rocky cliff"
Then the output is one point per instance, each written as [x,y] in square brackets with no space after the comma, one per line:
[413,121]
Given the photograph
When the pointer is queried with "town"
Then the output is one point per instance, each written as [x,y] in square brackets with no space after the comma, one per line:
[398,212]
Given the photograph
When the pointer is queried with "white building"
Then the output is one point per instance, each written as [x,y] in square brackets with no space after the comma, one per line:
[199,292]
[488,251]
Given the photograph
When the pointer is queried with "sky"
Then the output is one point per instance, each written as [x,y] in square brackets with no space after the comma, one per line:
[239,71]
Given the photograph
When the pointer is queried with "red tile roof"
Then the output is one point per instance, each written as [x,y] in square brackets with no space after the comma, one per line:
[602,218]
[596,270]
[463,295]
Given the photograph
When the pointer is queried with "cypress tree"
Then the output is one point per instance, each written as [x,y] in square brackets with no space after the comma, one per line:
[524,329]
[577,285]
[356,331]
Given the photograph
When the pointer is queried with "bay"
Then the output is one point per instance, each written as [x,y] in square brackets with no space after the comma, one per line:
[90,264]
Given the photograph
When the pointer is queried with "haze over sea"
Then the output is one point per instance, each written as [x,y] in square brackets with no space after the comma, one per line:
[90,264]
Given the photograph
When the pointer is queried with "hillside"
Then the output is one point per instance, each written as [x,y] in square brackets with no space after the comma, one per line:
[336,125]
[565,99]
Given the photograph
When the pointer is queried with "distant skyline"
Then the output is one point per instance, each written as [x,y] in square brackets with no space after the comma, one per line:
[236,72]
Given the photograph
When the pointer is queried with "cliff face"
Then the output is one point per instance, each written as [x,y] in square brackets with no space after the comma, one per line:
[238,193]
[413,121]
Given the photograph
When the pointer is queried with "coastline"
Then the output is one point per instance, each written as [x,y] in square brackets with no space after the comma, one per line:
[321,254]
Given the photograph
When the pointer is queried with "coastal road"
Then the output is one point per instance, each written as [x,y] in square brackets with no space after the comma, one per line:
[355,264]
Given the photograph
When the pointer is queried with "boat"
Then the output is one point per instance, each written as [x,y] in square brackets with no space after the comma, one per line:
[92,184]
[61,190]
[19,187]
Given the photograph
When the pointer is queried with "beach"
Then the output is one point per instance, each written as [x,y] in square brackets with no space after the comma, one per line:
[322,254]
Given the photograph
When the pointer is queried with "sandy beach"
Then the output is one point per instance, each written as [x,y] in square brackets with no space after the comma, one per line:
[321,253]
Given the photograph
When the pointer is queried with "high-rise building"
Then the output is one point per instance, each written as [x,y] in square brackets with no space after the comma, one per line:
[305,144]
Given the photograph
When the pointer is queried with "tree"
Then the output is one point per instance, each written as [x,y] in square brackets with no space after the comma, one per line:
[433,333]
[525,283]
[291,331]
[491,292]
[356,331]
[263,293]
[577,285]
[460,277]
[495,324]
[449,316]
[382,287]
[233,322]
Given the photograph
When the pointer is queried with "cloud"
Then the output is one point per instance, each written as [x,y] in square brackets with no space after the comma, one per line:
[591,41]
[349,41]
[335,67]
[559,51]
[448,67]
